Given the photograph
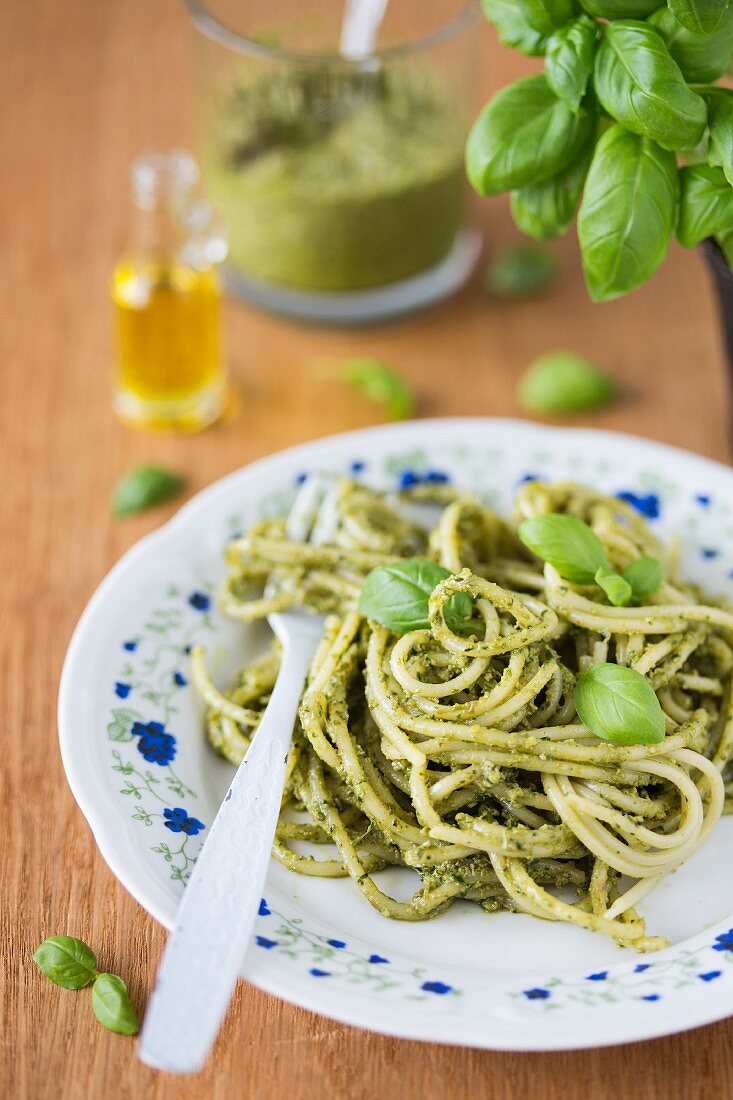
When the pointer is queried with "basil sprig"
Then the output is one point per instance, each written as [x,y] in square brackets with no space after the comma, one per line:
[398,595]
[618,704]
[523,136]
[624,90]
[701,57]
[68,962]
[627,214]
[569,63]
[576,552]
[142,487]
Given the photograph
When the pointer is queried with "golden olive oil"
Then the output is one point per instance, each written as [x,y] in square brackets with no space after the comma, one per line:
[167,302]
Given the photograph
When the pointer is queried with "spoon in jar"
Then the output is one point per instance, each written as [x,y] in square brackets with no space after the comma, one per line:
[360,27]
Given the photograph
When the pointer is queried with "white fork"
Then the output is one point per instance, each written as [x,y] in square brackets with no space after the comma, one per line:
[214,922]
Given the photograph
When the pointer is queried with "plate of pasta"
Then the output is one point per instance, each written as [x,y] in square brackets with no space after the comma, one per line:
[505,816]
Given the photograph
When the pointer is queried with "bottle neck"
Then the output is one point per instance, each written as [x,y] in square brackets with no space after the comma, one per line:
[172,223]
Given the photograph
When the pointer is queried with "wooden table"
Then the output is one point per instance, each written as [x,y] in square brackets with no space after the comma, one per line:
[87,86]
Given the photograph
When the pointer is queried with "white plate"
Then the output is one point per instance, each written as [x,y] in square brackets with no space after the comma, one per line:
[502,981]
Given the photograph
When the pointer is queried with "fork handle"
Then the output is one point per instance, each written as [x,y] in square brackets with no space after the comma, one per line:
[214,922]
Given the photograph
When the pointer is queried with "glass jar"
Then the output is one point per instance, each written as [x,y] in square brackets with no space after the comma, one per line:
[340,179]
[166,293]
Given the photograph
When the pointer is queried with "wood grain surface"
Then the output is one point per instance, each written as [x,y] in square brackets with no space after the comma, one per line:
[85,87]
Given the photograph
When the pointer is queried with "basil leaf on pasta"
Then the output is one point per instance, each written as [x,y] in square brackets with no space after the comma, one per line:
[398,596]
[618,704]
[567,544]
[616,587]
[645,576]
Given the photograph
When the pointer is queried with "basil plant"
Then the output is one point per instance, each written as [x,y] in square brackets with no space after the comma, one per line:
[626,127]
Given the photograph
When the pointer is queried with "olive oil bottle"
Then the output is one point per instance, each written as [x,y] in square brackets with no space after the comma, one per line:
[170,372]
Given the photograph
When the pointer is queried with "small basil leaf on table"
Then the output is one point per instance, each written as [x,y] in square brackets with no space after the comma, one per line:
[706,204]
[568,544]
[617,589]
[143,487]
[519,271]
[620,9]
[627,214]
[545,210]
[379,383]
[112,1006]
[524,135]
[701,16]
[641,86]
[398,595]
[720,125]
[700,57]
[618,704]
[66,961]
[513,28]
[562,382]
[569,60]
[645,576]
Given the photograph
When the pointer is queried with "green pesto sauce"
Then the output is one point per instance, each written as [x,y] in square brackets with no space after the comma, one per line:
[333,181]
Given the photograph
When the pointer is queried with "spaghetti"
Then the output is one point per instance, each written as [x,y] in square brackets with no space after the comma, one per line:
[461,756]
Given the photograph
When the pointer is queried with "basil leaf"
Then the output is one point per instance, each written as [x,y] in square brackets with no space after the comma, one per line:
[514,30]
[568,544]
[617,589]
[645,576]
[720,123]
[569,60]
[620,9]
[380,383]
[700,57]
[524,135]
[725,240]
[618,704]
[142,488]
[546,15]
[397,596]
[641,86]
[112,1006]
[545,210]
[66,961]
[519,271]
[627,214]
[457,612]
[562,382]
[706,205]
[700,16]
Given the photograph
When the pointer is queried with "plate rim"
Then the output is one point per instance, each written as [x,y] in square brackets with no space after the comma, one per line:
[253,970]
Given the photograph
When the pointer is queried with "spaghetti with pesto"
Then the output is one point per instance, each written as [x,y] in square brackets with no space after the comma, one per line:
[460,754]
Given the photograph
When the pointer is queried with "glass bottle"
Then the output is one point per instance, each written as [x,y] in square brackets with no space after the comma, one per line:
[170,372]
